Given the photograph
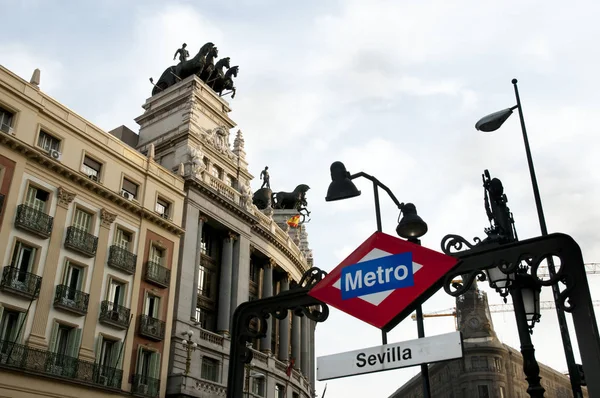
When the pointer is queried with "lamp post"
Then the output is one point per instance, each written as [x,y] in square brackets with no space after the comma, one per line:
[410,227]
[491,123]
[189,347]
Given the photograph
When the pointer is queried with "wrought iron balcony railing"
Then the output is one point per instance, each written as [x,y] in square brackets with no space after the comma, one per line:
[34,221]
[157,274]
[71,299]
[46,363]
[81,241]
[122,259]
[151,328]
[114,314]
[20,282]
[145,386]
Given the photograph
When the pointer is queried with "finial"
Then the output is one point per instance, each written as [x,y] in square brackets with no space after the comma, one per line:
[151,152]
[35,78]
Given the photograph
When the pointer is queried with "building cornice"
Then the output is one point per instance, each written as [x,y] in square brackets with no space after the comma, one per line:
[47,162]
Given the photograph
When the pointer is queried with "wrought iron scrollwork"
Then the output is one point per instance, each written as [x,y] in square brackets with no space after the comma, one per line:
[456,242]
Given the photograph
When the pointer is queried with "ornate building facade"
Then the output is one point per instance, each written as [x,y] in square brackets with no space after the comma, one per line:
[91,237]
[489,369]
[232,252]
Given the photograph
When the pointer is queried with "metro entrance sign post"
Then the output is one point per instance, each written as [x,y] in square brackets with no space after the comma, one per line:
[383,280]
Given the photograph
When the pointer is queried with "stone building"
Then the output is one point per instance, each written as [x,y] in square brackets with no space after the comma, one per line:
[489,369]
[232,252]
[90,231]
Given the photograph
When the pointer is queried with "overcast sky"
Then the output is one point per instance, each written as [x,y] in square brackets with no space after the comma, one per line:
[391,88]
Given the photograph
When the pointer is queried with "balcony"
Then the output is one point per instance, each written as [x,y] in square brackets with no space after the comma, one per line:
[122,259]
[157,274]
[151,328]
[114,314]
[34,221]
[81,242]
[21,283]
[144,386]
[45,363]
[70,299]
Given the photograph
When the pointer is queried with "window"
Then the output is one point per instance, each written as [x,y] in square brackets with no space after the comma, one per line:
[108,355]
[163,208]
[254,271]
[295,395]
[48,142]
[216,172]
[82,220]
[152,306]
[22,259]
[116,292]
[65,340]
[210,369]
[10,324]
[208,243]
[5,120]
[229,180]
[279,391]
[204,318]
[258,386]
[129,189]
[205,282]
[156,255]
[483,391]
[36,198]
[73,279]
[498,363]
[148,365]
[123,239]
[91,168]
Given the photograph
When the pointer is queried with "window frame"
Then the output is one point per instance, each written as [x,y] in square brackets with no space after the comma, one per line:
[157,306]
[166,204]
[83,275]
[21,317]
[32,185]
[92,218]
[51,134]
[124,290]
[12,116]
[123,229]
[87,156]
[216,366]
[36,255]
[132,181]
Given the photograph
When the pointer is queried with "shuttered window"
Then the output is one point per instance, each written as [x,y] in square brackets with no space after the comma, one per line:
[148,364]
[82,220]
[156,255]
[11,323]
[152,306]
[48,142]
[65,340]
[91,168]
[36,198]
[123,239]
[130,187]
[108,354]
[23,257]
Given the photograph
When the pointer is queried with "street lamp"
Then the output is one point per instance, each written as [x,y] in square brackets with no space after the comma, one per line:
[189,347]
[410,227]
[491,123]
[530,291]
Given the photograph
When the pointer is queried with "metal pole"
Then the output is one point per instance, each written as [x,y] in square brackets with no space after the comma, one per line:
[421,334]
[379,229]
[530,365]
[562,321]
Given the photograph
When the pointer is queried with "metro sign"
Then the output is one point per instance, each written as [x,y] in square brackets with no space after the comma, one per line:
[383,280]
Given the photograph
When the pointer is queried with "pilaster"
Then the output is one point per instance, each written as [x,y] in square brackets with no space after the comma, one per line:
[265,342]
[224,316]
[91,319]
[37,337]
[241,272]
[284,325]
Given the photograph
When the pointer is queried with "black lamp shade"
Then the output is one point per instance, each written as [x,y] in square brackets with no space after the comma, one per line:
[411,225]
[494,121]
[531,298]
[499,280]
[341,186]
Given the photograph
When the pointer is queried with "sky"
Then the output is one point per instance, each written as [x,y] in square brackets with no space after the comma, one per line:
[391,88]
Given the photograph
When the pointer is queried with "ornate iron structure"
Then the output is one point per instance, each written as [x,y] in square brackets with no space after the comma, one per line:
[81,241]
[296,300]
[114,314]
[122,259]
[145,386]
[151,327]
[23,358]
[34,221]
[157,274]
[71,299]
[20,282]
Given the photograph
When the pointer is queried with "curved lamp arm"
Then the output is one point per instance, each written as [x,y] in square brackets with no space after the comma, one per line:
[380,185]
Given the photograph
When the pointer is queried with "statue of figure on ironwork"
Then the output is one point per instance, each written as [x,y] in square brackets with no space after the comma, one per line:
[183,53]
[499,215]
[291,200]
[264,175]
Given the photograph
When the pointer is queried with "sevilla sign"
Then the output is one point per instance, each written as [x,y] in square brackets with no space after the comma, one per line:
[383,280]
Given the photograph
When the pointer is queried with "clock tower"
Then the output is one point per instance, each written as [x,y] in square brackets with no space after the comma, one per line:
[473,315]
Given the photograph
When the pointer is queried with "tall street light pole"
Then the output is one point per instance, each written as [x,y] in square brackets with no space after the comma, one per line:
[410,227]
[493,122]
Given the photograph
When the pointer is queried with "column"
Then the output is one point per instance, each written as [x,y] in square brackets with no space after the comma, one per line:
[198,255]
[224,316]
[91,319]
[37,337]
[241,272]
[284,325]
[304,352]
[265,342]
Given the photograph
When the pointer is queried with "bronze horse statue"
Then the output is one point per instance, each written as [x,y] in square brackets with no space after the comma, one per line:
[291,200]
[184,69]
[217,72]
[226,82]
[209,65]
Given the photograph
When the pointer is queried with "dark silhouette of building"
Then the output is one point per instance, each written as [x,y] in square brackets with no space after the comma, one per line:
[488,369]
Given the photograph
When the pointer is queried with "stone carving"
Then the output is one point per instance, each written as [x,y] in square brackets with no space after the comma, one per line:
[107,218]
[65,197]
[196,161]
[262,198]
[220,138]
[246,199]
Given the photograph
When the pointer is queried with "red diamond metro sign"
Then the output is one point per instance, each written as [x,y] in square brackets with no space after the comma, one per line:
[383,280]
